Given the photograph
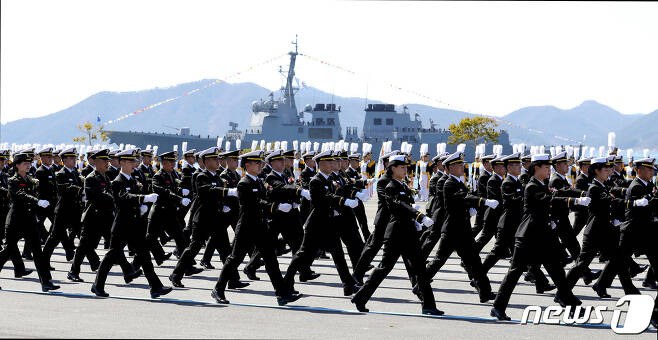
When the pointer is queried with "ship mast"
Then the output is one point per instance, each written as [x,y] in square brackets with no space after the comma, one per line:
[288,92]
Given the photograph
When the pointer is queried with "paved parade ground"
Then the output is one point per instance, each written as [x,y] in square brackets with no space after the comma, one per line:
[323,312]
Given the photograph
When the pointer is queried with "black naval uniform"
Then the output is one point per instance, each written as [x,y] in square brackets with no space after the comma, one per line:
[252,230]
[432,235]
[67,213]
[163,215]
[47,191]
[581,213]
[210,198]
[561,215]
[320,233]
[305,206]
[536,243]
[491,216]
[4,203]
[481,191]
[360,210]
[348,228]
[125,230]
[219,239]
[21,221]
[96,220]
[456,235]
[601,235]
[401,237]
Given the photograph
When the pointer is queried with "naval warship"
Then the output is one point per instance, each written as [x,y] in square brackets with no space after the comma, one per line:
[279,120]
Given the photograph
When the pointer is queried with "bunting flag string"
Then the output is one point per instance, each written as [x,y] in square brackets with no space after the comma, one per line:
[215,82]
[520,126]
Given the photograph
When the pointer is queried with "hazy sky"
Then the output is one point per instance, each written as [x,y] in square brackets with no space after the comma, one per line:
[482,57]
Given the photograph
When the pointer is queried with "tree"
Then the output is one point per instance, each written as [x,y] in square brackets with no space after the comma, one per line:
[91,133]
[473,130]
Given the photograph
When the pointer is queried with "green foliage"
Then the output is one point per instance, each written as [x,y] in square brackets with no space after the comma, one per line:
[476,130]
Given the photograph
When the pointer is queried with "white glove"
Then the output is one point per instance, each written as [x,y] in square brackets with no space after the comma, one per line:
[417,207]
[43,203]
[306,194]
[419,226]
[285,207]
[472,211]
[351,203]
[226,209]
[553,225]
[185,201]
[642,202]
[616,222]
[583,201]
[185,192]
[295,205]
[233,192]
[428,222]
[150,198]
[491,203]
[362,195]
[143,209]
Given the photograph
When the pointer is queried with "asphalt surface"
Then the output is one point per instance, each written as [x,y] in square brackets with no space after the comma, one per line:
[323,312]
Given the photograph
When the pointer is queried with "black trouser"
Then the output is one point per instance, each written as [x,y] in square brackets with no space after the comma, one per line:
[245,238]
[219,241]
[348,231]
[360,213]
[159,224]
[567,235]
[527,255]
[90,237]
[431,236]
[629,241]
[465,247]
[314,240]
[115,255]
[580,220]
[614,267]
[42,214]
[489,230]
[374,243]
[409,247]
[11,251]
[58,234]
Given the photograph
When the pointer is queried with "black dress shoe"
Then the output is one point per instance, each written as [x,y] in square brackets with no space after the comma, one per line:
[99,292]
[70,255]
[206,265]
[73,277]
[637,270]
[130,277]
[48,286]
[649,284]
[601,292]
[94,266]
[251,275]
[499,314]
[237,284]
[528,277]
[544,288]
[488,297]
[193,271]
[155,293]
[175,281]
[432,311]
[308,277]
[360,306]
[349,290]
[164,258]
[284,300]
[25,272]
[219,297]
[176,253]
